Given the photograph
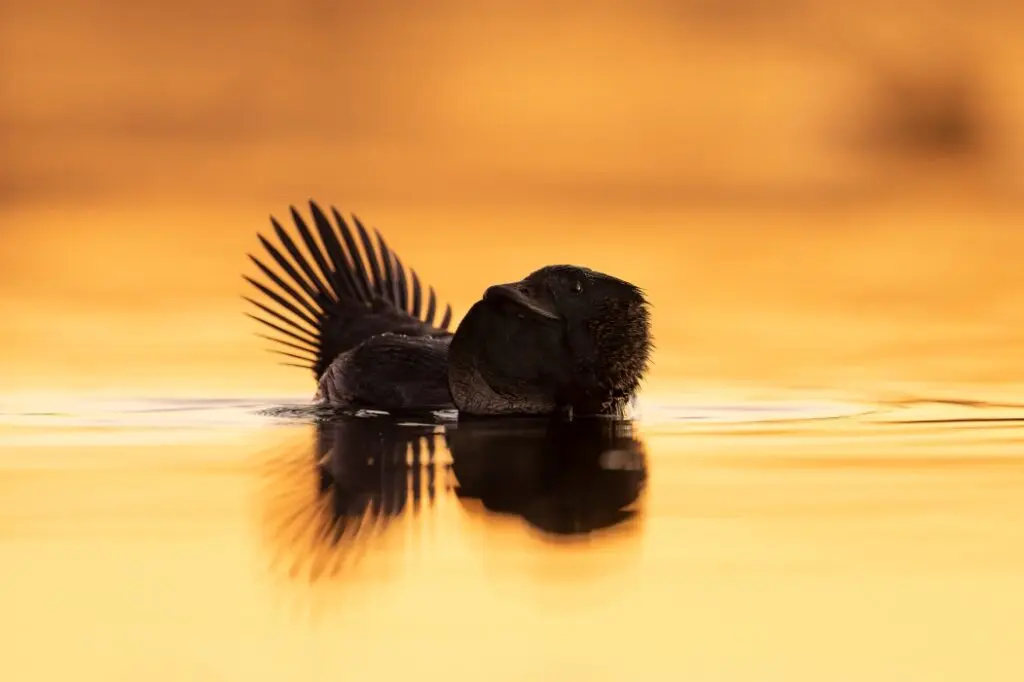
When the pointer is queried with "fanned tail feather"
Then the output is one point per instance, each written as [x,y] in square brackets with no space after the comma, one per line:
[333,295]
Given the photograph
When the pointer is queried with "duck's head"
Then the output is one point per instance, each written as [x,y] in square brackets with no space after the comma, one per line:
[565,337]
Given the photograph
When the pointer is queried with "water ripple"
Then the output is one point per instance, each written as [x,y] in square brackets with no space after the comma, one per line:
[64,411]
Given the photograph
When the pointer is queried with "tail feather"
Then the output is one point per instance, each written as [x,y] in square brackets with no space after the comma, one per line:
[447,319]
[332,297]
[297,256]
[417,296]
[314,250]
[350,242]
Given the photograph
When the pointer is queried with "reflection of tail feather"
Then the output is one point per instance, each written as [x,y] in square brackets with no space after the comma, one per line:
[324,510]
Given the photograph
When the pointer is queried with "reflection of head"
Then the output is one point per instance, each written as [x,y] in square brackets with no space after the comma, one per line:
[346,489]
[562,477]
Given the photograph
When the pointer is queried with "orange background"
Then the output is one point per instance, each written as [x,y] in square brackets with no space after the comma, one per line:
[758,167]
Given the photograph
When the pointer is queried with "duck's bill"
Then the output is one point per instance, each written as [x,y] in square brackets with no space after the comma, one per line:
[515,293]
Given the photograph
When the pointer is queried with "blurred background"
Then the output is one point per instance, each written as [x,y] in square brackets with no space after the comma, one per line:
[814,195]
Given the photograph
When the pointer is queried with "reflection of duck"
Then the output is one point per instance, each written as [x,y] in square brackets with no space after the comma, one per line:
[360,474]
[563,477]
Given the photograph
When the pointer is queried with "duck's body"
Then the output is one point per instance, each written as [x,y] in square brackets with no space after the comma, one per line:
[390,372]
[563,338]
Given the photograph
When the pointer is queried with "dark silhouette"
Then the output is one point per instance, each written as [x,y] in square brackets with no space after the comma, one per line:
[343,298]
[563,477]
[331,500]
[564,339]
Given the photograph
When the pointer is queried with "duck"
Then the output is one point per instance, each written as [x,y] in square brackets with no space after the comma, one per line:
[565,340]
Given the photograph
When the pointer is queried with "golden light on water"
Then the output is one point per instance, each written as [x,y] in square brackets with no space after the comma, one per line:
[822,201]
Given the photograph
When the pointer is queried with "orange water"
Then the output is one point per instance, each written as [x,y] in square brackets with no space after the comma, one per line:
[772,541]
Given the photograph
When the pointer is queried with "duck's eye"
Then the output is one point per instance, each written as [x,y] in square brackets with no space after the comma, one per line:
[577,287]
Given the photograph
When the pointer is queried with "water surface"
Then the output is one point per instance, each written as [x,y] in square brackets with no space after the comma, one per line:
[236,539]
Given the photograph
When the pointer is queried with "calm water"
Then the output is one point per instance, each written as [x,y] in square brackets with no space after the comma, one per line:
[801,540]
